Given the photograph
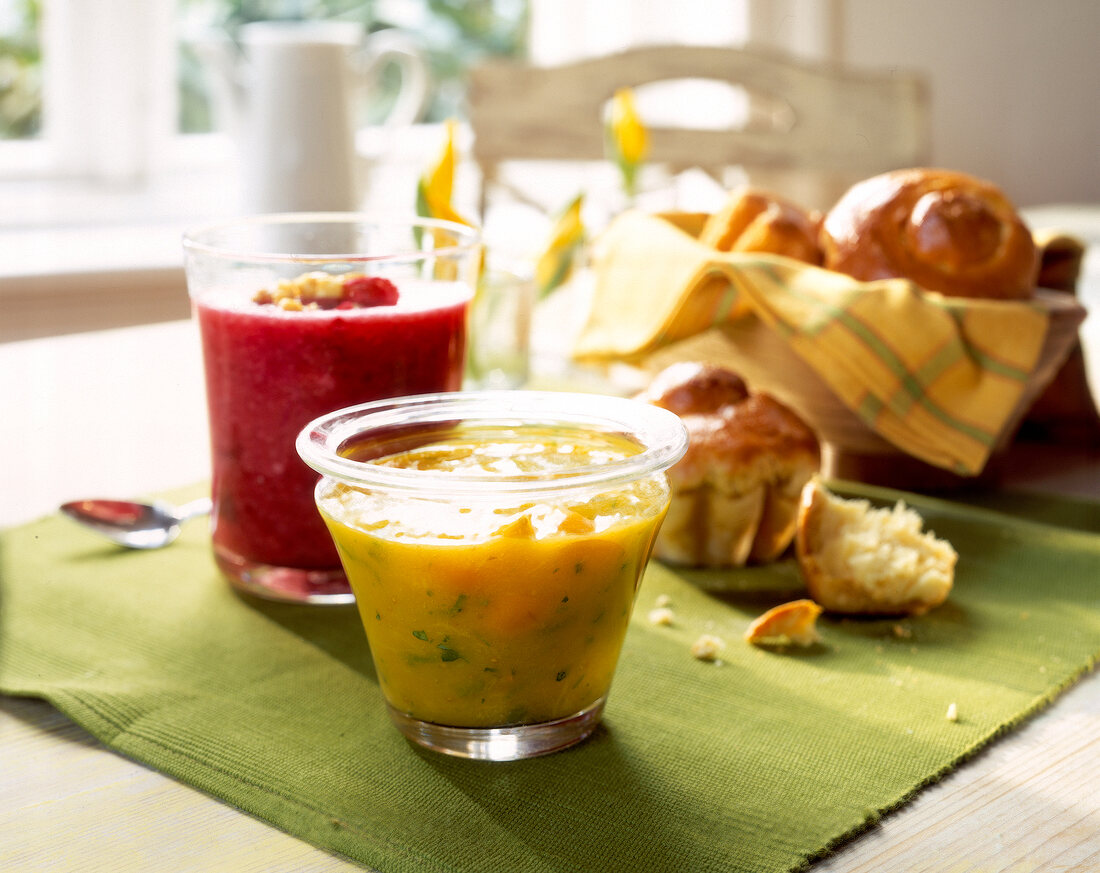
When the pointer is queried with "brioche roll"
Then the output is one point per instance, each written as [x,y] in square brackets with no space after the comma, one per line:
[755,221]
[735,492]
[1060,258]
[946,231]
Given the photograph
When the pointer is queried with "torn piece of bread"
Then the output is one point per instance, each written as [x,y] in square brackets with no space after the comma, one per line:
[793,623]
[859,559]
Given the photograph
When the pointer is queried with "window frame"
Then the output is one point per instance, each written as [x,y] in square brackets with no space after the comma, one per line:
[109,97]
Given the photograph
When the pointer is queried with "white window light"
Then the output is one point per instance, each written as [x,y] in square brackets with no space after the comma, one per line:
[108,91]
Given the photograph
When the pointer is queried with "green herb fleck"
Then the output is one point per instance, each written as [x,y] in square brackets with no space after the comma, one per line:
[516,715]
[421,635]
[578,567]
[458,605]
[378,616]
[565,599]
[449,654]
[560,676]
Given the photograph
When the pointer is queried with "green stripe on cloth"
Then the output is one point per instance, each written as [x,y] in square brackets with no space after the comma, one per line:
[945,356]
[864,333]
[978,434]
[911,389]
[790,283]
[869,408]
[761,762]
[985,358]
[988,362]
[726,307]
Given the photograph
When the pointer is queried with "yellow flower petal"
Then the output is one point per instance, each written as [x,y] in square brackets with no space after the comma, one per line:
[627,131]
[555,264]
[435,188]
[439,180]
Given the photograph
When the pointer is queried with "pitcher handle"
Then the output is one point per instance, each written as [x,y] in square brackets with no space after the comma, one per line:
[392,46]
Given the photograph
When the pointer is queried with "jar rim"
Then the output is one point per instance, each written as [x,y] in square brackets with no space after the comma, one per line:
[660,434]
[202,240]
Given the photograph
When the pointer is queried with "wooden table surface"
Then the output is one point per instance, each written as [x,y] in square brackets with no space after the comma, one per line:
[84,417]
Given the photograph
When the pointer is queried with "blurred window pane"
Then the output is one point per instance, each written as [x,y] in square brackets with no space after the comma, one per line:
[20,70]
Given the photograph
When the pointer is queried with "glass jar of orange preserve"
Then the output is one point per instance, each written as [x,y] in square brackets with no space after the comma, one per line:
[495,542]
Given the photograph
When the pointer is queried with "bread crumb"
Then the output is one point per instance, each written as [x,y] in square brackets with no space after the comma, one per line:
[663,600]
[952,712]
[788,623]
[662,615]
[707,648]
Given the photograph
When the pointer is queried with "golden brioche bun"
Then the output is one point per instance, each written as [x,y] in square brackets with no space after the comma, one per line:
[946,231]
[735,492]
[755,221]
[857,559]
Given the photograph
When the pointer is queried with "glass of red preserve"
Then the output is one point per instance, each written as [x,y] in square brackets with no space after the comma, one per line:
[301,315]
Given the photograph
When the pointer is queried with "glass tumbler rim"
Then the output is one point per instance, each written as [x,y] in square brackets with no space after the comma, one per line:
[196,240]
[660,433]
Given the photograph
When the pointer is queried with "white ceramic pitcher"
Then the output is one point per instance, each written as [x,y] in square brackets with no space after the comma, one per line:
[289,95]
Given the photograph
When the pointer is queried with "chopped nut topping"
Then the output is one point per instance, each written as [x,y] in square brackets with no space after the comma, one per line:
[311,285]
[321,290]
[662,615]
[952,712]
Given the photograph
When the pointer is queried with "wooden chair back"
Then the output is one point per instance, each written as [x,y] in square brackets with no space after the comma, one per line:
[812,129]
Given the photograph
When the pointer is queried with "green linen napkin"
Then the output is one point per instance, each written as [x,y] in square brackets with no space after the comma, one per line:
[761,762]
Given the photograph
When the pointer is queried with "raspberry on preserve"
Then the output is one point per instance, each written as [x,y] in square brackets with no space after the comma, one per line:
[370,291]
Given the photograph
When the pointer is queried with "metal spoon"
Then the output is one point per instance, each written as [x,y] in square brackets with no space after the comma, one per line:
[135,525]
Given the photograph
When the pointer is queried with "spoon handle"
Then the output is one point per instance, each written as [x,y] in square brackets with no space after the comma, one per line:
[201,506]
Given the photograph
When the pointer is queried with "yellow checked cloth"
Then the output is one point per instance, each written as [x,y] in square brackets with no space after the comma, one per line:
[937,377]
